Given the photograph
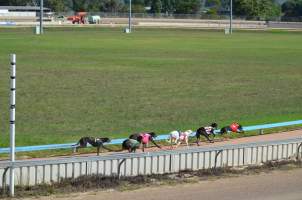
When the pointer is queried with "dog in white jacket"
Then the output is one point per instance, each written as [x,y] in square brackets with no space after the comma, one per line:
[178,137]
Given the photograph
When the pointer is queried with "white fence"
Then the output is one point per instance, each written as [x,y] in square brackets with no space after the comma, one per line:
[132,164]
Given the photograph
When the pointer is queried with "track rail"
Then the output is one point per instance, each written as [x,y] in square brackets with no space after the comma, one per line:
[114,156]
[160,137]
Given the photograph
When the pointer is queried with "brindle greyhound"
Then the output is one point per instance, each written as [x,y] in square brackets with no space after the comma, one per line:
[95,142]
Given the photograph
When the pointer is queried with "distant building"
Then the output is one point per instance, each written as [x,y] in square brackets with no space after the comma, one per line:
[23,9]
[19,13]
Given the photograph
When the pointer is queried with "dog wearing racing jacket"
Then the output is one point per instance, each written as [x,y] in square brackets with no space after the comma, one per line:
[130,145]
[93,141]
[177,137]
[144,138]
[206,131]
[234,127]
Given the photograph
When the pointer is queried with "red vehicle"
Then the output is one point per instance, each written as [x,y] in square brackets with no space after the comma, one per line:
[79,18]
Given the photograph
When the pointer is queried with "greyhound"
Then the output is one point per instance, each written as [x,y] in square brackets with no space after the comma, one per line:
[130,145]
[178,136]
[206,131]
[95,142]
[234,127]
[144,139]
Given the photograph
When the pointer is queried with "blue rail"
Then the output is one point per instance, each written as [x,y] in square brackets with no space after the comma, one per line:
[160,137]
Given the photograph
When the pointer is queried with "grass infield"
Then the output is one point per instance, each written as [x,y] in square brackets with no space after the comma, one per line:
[74,82]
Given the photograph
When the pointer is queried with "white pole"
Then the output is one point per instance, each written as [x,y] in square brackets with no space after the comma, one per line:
[41,16]
[130,13]
[12,122]
[231,16]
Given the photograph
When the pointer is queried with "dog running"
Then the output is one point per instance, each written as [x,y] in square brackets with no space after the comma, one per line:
[93,141]
[177,137]
[144,139]
[130,145]
[234,127]
[206,132]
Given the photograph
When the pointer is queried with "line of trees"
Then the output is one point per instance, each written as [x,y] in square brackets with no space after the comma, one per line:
[292,10]
[252,9]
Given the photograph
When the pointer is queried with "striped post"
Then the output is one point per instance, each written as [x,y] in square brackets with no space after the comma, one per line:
[12,122]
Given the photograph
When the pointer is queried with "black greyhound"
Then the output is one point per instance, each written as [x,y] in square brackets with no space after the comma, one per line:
[206,131]
[95,142]
[234,127]
[130,145]
[144,139]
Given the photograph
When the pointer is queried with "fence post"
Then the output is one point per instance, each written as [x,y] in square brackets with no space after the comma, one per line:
[298,150]
[216,156]
[119,168]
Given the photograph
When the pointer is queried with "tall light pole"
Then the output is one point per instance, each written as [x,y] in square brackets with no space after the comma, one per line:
[231,16]
[129,25]
[41,16]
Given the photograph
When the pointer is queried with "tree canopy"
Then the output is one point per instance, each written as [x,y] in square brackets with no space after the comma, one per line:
[292,9]
[252,9]
[257,9]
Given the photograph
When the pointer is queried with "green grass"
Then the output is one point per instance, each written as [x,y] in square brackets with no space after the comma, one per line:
[73,82]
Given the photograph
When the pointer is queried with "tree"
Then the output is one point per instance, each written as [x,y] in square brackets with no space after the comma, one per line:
[214,6]
[156,6]
[138,6]
[111,5]
[55,5]
[256,9]
[15,2]
[168,6]
[94,6]
[292,8]
[187,6]
[78,5]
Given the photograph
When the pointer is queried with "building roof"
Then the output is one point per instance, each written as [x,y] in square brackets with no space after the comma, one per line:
[23,8]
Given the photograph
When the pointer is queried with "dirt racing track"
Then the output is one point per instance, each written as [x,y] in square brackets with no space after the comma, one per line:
[235,153]
[253,187]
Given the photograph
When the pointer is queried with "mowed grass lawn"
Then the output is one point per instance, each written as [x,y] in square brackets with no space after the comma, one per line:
[74,82]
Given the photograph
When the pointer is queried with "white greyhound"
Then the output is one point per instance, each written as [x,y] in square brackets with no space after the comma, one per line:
[177,137]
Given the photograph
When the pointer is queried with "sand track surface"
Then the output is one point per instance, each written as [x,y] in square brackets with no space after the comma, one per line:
[277,185]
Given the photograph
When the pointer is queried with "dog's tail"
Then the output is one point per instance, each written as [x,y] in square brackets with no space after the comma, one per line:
[108,149]
[119,150]
[76,144]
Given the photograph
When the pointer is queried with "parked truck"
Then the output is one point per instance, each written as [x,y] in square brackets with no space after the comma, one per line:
[79,18]
[94,19]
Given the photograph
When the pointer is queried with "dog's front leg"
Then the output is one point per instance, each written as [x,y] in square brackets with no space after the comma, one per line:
[171,142]
[143,148]
[187,142]
[98,150]
[197,141]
